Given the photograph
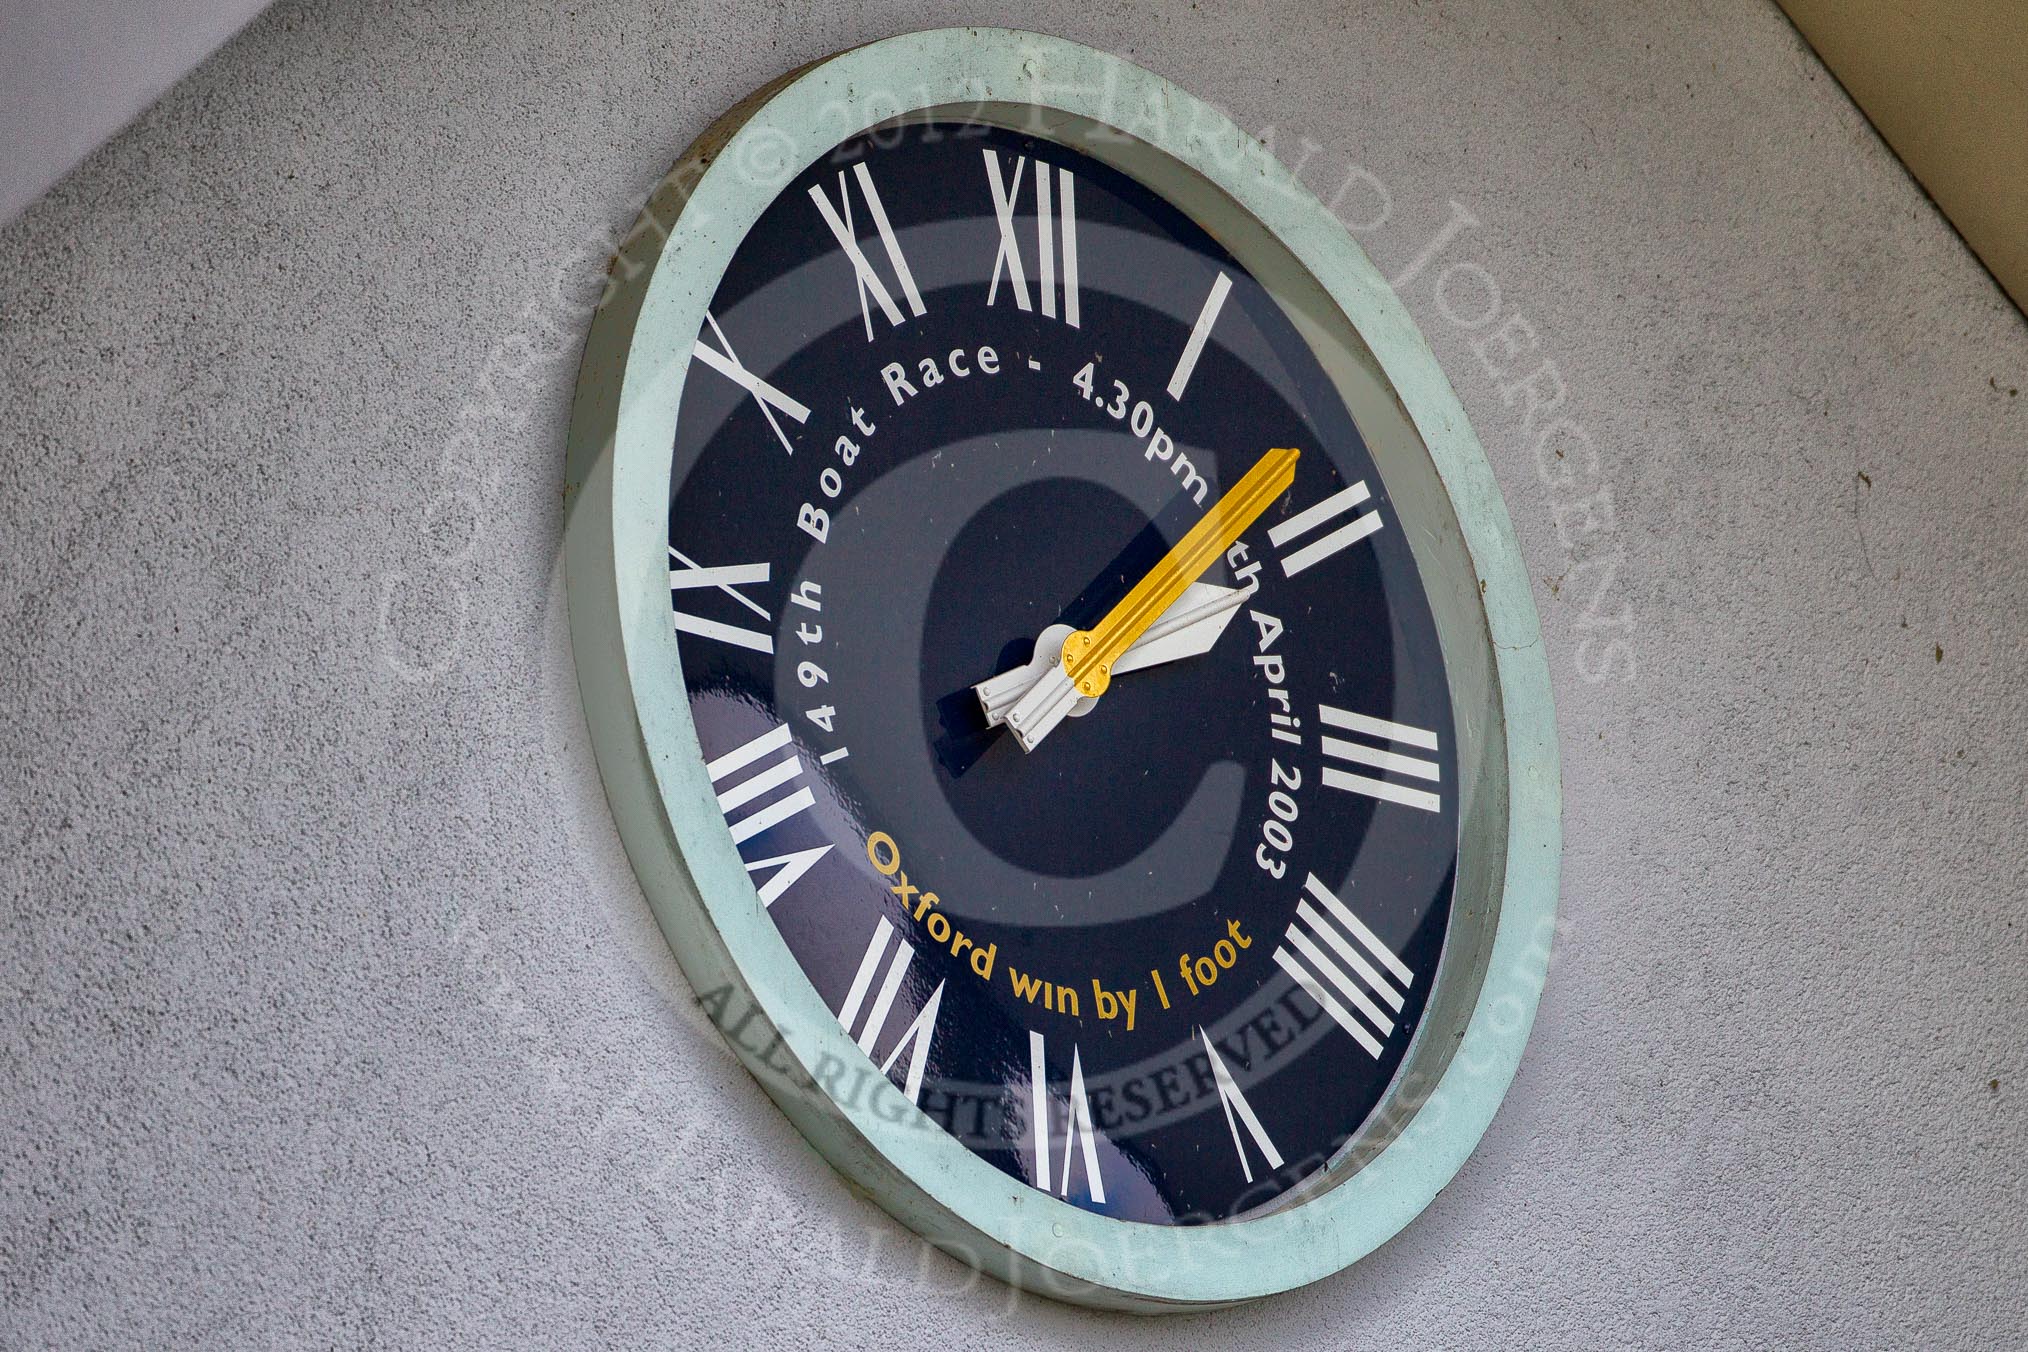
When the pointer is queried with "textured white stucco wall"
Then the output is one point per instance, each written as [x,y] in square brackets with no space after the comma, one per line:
[333,1015]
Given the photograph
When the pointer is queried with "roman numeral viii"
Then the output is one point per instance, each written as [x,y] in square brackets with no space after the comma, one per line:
[839,218]
[1344,967]
[1055,220]
[1371,758]
[740,789]
[873,1024]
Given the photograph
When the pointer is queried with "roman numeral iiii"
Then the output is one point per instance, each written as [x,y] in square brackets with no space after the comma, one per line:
[1344,966]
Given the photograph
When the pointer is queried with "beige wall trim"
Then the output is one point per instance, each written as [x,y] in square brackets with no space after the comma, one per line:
[1946,84]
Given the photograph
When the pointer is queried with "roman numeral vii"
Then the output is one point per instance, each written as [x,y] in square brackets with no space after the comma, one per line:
[867,1023]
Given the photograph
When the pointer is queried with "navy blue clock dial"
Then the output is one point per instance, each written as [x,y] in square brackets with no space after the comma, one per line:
[961,389]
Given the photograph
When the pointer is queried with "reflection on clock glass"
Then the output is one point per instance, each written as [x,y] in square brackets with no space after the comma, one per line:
[961,393]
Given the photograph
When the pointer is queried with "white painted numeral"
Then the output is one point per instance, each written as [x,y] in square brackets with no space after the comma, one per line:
[1078,1130]
[727,364]
[1238,1111]
[1313,518]
[1055,220]
[867,1031]
[756,818]
[1329,958]
[1373,758]
[1200,333]
[864,276]
[728,579]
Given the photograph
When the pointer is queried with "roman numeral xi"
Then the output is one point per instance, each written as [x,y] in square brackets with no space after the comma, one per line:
[839,218]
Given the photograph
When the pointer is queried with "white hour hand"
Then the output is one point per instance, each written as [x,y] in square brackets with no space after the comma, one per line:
[1188,628]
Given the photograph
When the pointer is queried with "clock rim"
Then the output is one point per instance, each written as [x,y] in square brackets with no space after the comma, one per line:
[630,677]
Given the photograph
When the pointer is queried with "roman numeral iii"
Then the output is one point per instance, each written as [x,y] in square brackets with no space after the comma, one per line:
[1315,518]
[1370,758]
[690,576]
[1053,223]
[867,1031]
[1344,967]
[1078,1133]
[739,799]
[839,218]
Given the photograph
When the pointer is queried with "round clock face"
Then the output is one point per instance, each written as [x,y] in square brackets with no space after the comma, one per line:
[1160,953]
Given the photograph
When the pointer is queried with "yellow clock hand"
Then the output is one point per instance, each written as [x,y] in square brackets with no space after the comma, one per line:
[1089,654]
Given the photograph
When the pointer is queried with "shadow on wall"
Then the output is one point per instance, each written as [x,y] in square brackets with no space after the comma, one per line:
[72,74]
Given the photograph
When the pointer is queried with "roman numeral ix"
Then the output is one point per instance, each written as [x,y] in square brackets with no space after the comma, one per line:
[691,576]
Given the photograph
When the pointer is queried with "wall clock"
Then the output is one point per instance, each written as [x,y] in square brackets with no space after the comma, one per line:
[1058,659]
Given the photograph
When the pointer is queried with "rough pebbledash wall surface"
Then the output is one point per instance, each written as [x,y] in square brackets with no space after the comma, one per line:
[334,1016]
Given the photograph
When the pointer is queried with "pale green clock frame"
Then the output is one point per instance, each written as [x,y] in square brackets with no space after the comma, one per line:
[617,495]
